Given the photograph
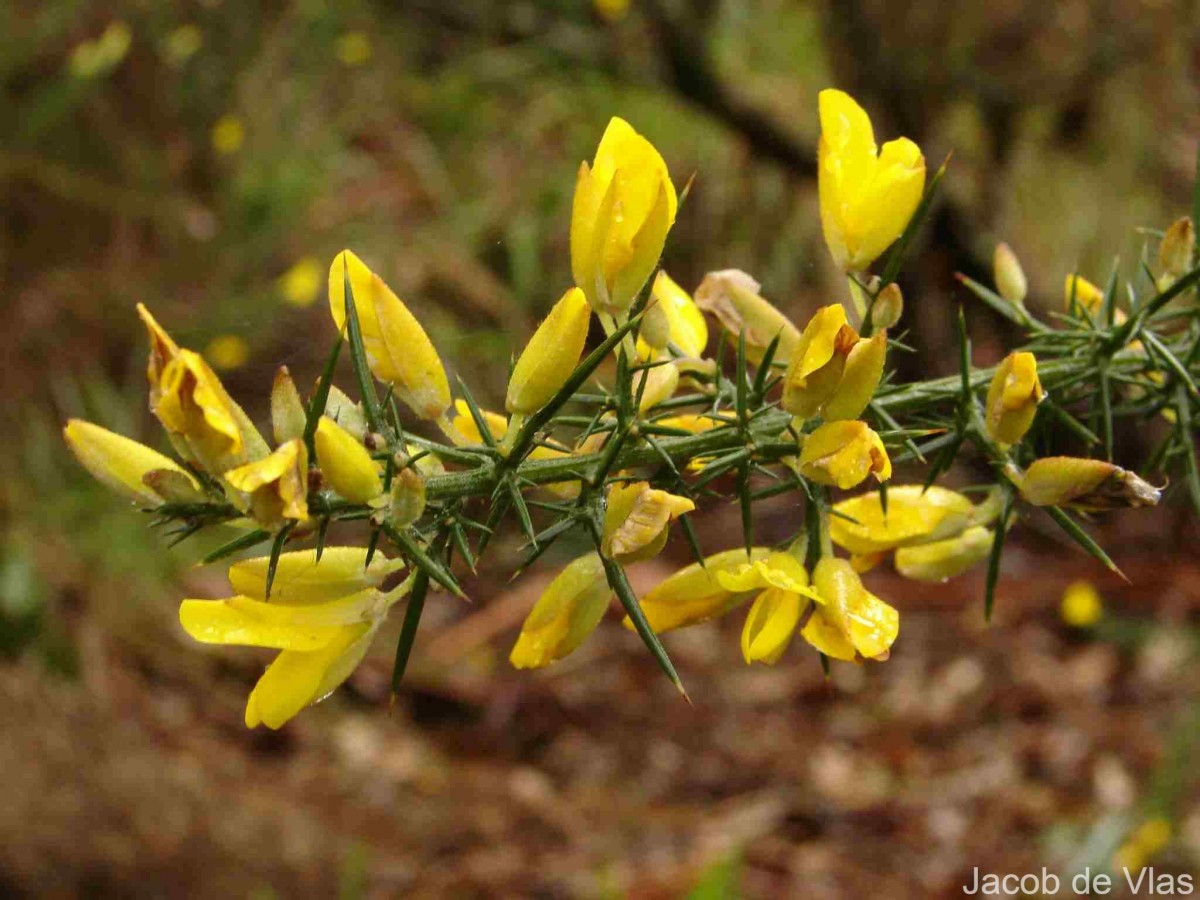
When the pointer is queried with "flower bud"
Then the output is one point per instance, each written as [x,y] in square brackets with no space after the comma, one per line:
[732,296]
[277,484]
[654,333]
[672,317]
[867,196]
[636,519]
[942,560]
[288,416]
[1013,398]
[1089,484]
[408,497]
[551,354]
[860,379]
[347,466]
[866,625]
[399,351]
[817,361]
[888,308]
[694,594]
[567,612]
[842,454]
[624,206]
[1177,248]
[1011,283]
[124,465]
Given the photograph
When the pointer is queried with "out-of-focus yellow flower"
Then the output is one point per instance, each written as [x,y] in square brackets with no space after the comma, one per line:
[193,405]
[784,595]
[1177,248]
[181,44]
[288,415]
[353,48]
[623,208]
[1013,398]
[124,465]
[842,454]
[1081,606]
[888,308]
[1087,295]
[321,615]
[732,296]
[92,59]
[867,197]
[551,354]
[345,463]
[301,284]
[228,135]
[1011,283]
[398,349]
[940,561]
[1147,840]
[611,10]
[685,325]
[226,352]
[817,361]
[914,515]
[694,423]
[277,484]
[567,612]
[636,520]
[1089,484]
[693,594]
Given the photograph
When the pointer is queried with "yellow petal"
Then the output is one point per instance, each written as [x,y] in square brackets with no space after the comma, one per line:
[636,519]
[779,570]
[842,454]
[870,624]
[301,579]
[770,624]
[247,622]
[1089,297]
[860,379]
[661,383]
[348,414]
[686,328]
[860,525]
[566,613]
[277,484]
[694,594]
[551,354]
[119,463]
[347,466]
[943,560]
[162,350]
[1013,398]
[883,207]
[297,678]
[732,296]
[288,415]
[821,351]
[826,637]
[419,378]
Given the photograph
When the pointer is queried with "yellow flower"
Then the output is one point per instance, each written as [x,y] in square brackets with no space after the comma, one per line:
[1143,845]
[347,413]
[612,10]
[551,354]
[851,615]
[859,381]
[661,383]
[784,596]
[321,615]
[162,350]
[842,454]
[1089,484]
[1013,398]
[127,467]
[228,135]
[193,405]
[1087,295]
[939,561]
[1082,606]
[92,59]
[732,296]
[623,208]
[567,612]
[398,349]
[345,463]
[1011,283]
[914,515]
[1177,248]
[277,484]
[353,48]
[685,325]
[407,501]
[817,361]
[636,520]
[301,284]
[693,594]
[888,308]
[867,198]
[288,415]
[181,44]
[693,423]
[226,352]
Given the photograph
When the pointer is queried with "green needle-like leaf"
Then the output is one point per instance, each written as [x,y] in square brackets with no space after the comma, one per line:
[238,544]
[477,415]
[358,355]
[993,570]
[316,406]
[421,560]
[895,258]
[408,629]
[276,550]
[1081,537]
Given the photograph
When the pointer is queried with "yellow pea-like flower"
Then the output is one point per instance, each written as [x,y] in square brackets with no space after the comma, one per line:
[322,616]
[1013,398]
[843,454]
[637,518]
[940,561]
[684,322]
[123,465]
[817,361]
[1090,484]
[850,619]
[859,381]
[399,351]
[661,383]
[694,594]
[914,514]
[693,423]
[566,613]
[300,285]
[288,415]
[784,596]
[277,484]
[732,297]
[162,350]
[1011,283]
[195,407]
[1087,295]
[348,414]
[551,354]
[867,197]
[624,206]
[346,464]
